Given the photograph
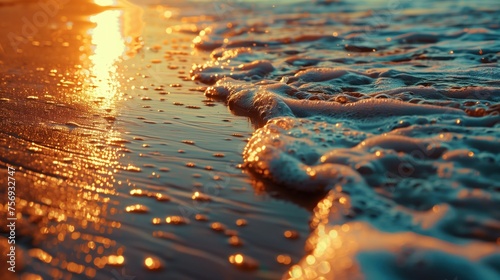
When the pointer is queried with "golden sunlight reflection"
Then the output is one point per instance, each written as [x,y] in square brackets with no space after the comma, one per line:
[243,262]
[105,2]
[334,248]
[109,46]
[152,263]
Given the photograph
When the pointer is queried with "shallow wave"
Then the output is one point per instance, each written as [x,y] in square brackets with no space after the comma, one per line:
[392,109]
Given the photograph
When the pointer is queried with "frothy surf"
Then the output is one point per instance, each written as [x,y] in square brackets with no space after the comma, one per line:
[392,109]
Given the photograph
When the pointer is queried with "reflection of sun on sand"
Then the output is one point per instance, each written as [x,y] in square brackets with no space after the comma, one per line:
[126,21]
[112,34]
[77,199]
[132,24]
[108,48]
[58,140]
[105,2]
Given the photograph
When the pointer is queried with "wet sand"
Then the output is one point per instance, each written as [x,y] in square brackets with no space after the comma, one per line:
[238,140]
[98,117]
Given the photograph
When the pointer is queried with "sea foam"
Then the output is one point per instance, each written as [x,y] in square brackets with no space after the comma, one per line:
[398,122]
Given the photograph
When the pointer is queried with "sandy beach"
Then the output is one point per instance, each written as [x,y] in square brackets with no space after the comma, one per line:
[239,140]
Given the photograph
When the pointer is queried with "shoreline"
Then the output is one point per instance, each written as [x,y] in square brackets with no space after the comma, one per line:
[136,136]
[324,146]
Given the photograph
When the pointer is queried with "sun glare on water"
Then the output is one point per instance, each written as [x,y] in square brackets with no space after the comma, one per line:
[109,46]
[105,2]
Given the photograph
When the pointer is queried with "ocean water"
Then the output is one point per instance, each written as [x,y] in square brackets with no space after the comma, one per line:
[157,139]
[390,108]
